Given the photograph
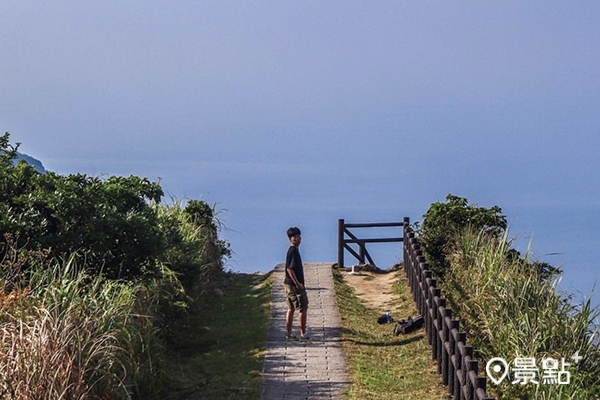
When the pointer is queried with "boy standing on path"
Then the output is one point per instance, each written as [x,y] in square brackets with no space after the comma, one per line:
[294,286]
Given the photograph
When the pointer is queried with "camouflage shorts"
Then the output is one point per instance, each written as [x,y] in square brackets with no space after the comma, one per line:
[296,299]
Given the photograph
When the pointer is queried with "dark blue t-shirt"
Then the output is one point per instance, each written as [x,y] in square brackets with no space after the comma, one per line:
[293,261]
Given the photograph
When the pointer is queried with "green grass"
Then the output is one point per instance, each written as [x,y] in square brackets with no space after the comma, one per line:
[218,350]
[384,366]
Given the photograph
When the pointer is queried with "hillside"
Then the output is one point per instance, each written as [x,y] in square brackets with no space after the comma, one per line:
[34,162]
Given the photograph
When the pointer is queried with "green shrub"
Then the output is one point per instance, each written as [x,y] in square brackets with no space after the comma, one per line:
[193,250]
[116,225]
[94,324]
[444,221]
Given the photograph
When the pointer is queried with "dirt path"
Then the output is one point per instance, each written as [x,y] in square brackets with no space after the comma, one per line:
[375,290]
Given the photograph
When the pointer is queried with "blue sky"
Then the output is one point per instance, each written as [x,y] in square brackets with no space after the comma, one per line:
[304,112]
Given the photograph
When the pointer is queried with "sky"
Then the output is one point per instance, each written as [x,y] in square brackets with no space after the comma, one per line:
[300,113]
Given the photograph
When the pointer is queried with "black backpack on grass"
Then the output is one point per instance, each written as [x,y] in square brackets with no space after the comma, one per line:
[408,325]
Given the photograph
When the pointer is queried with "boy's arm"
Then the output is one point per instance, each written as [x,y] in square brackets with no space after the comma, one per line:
[297,283]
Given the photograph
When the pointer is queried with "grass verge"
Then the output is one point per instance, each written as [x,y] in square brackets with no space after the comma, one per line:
[384,366]
[218,350]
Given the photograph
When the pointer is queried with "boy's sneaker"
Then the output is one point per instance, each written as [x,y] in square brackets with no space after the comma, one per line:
[304,336]
[290,337]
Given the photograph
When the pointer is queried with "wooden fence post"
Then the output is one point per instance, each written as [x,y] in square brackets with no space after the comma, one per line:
[341,243]
[446,352]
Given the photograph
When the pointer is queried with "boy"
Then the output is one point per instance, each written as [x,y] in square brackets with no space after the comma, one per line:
[294,286]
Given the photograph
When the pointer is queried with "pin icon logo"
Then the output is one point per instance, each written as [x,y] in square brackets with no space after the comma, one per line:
[494,368]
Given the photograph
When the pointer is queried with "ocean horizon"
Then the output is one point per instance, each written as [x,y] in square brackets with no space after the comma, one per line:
[562,235]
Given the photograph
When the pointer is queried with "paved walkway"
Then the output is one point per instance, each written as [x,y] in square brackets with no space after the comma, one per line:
[306,370]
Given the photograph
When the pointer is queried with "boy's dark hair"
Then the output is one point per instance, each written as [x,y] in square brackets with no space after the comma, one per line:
[293,231]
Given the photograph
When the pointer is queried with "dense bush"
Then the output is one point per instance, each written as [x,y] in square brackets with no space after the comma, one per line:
[193,250]
[109,222]
[112,224]
[444,221]
[92,273]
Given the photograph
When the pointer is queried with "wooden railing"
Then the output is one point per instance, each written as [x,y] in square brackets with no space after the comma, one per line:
[344,243]
[455,360]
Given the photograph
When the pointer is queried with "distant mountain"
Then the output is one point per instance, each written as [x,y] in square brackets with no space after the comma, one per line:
[31,161]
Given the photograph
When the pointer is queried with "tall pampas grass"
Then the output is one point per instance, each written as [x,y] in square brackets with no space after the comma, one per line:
[68,336]
[509,310]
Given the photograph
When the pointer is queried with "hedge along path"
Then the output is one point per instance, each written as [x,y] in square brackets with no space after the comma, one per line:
[316,369]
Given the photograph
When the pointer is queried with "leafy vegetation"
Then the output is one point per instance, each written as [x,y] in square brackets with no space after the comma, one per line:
[509,305]
[444,221]
[95,273]
[113,224]
[193,249]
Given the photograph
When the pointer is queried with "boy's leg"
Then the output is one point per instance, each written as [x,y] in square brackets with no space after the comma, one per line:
[289,320]
[302,318]
[292,303]
[303,297]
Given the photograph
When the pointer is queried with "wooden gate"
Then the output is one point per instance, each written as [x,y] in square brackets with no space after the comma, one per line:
[346,238]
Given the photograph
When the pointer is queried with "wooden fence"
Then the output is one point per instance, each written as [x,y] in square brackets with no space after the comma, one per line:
[455,362]
[454,358]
